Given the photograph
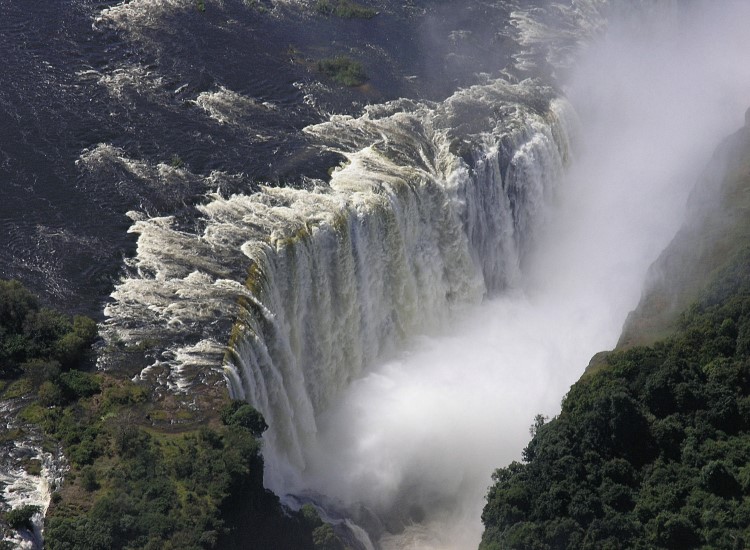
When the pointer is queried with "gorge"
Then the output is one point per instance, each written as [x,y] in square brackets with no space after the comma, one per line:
[400,315]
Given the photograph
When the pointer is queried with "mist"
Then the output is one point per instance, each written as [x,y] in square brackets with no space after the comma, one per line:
[410,447]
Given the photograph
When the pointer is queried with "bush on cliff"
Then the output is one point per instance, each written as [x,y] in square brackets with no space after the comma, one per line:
[132,485]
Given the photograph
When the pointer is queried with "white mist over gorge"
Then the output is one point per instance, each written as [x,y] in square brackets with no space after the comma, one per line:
[400,326]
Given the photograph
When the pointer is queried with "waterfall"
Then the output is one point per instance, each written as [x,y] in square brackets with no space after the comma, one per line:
[431,211]
[417,224]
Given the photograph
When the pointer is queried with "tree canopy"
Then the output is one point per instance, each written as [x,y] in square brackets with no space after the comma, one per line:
[650,451]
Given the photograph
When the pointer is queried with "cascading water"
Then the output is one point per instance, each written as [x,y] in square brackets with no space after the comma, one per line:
[341,274]
[400,325]
[435,208]
[432,211]
[406,233]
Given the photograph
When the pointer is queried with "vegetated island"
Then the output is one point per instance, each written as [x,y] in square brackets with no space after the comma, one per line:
[345,9]
[652,447]
[343,70]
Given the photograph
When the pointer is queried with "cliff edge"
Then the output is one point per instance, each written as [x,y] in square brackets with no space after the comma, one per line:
[716,229]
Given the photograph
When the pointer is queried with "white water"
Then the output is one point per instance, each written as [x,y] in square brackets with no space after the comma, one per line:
[20,488]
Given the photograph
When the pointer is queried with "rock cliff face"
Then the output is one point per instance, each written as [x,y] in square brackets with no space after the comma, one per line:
[716,229]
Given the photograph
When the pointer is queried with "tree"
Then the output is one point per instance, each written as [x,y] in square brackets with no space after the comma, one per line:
[20,518]
[15,303]
[239,413]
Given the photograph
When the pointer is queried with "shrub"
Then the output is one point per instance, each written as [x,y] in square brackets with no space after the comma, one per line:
[50,394]
[15,303]
[40,370]
[88,479]
[343,70]
[32,335]
[325,539]
[12,351]
[85,327]
[239,413]
[43,329]
[20,518]
[77,384]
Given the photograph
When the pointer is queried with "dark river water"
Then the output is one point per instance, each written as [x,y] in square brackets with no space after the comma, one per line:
[100,100]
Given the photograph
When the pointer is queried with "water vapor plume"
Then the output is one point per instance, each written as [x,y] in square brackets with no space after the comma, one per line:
[408,449]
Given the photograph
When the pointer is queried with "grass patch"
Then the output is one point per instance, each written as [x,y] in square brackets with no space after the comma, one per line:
[345,9]
[33,414]
[11,435]
[33,466]
[18,388]
[343,70]
[161,415]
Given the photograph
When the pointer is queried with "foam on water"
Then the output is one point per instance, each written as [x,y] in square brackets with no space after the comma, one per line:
[129,81]
[228,107]
[137,15]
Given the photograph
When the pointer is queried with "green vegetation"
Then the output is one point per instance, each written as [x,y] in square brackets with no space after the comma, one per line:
[176,161]
[343,70]
[149,490]
[38,343]
[651,450]
[346,9]
[20,518]
[132,484]
[136,487]
[18,388]
[239,413]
